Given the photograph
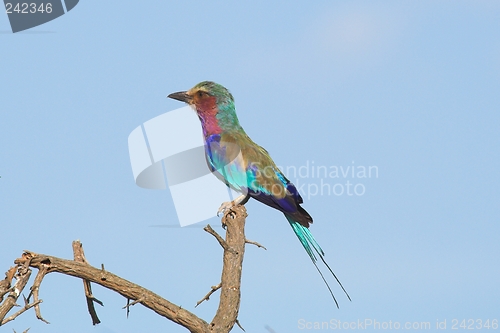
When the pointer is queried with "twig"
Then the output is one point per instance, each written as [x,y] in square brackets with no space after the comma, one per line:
[239,325]
[103,273]
[22,278]
[25,331]
[5,283]
[42,270]
[18,313]
[79,256]
[131,304]
[207,296]
[212,232]
[255,243]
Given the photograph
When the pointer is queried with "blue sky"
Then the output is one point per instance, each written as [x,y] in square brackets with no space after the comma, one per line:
[411,88]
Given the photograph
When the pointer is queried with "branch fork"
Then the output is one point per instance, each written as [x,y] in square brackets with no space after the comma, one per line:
[224,320]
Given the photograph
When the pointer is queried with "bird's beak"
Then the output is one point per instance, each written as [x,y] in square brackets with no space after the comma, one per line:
[182,96]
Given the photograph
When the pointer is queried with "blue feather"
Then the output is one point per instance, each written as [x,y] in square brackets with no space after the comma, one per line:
[307,240]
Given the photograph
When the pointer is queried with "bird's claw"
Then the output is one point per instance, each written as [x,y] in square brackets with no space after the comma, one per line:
[223,207]
[226,208]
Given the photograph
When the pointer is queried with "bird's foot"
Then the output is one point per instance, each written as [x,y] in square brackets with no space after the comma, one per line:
[225,206]
[226,209]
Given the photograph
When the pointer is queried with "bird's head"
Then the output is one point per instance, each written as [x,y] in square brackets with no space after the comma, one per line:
[214,105]
[205,96]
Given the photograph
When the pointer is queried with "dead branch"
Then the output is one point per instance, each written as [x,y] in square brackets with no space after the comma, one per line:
[5,283]
[207,296]
[239,325]
[22,277]
[42,271]
[25,308]
[223,321]
[255,243]
[25,331]
[221,240]
[123,287]
[79,255]
[229,304]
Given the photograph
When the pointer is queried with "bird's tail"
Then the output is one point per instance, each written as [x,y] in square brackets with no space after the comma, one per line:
[309,243]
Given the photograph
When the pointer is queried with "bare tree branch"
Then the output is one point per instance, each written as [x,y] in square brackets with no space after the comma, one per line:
[221,240]
[229,304]
[25,308]
[207,296]
[255,243]
[79,256]
[5,283]
[42,271]
[123,287]
[223,321]
[22,278]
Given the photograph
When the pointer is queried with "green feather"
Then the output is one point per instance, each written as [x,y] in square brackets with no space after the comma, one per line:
[306,238]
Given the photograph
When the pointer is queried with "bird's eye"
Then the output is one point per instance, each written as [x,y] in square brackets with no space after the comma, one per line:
[200,93]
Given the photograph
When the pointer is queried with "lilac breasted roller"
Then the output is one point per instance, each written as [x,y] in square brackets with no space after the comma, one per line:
[245,166]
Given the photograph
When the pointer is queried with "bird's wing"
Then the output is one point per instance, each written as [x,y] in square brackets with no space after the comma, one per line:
[248,168]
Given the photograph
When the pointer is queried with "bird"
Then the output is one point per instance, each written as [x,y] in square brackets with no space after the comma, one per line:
[246,167]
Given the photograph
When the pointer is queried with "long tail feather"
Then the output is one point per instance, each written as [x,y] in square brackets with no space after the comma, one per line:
[307,240]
